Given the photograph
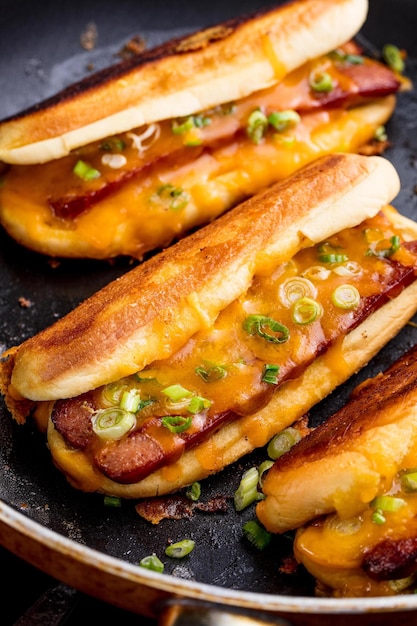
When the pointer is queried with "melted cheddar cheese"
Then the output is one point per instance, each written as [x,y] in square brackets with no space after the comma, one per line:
[266,337]
[333,549]
[166,182]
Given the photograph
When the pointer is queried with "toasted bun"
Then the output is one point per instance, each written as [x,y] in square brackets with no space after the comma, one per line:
[114,226]
[151,311]
[214,66]
[305,488]
[353,457]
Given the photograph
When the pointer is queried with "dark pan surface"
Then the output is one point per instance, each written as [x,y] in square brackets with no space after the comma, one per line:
[40,52]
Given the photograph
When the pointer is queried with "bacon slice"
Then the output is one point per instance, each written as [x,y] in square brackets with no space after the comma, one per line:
[353,84]
[138,454]
[391,559]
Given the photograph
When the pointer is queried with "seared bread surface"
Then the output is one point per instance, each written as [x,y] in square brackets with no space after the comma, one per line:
[151,311]
[217,65]
[351,458]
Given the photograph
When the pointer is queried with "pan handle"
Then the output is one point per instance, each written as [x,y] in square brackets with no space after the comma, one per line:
[194,613]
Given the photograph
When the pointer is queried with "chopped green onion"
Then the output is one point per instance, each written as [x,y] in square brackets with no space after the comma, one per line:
[317,272]
[183,127]
[264,467]
[330,254]
[177,423]
[306,311]
[270,374]
[194,492]
[198,404]
[409,481]
[345,57]
[113,144]
[171,197]
[351,268]
[113,423]
[177,392]
[282,442]
[130,400]
[348,526]
[385,247]
[153,563]
[387,503]
[180,549]
[281,120]
[393,58]
[112,501]
[112,392]
[247,492]
[381,134]
[378,517]
[257,535]
[321,82]
[210,374]
[85,171]
[294,288]
[264,326]
[346,297]
[257,126]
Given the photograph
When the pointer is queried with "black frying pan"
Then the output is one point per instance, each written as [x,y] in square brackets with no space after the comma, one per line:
[71,535]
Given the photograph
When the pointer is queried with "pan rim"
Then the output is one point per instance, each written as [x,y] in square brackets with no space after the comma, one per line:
[191,590]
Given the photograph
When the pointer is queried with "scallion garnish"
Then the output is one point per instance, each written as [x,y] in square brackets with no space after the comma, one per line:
[294,288]
[177,423]
[320,82]
[247,492]
[385,247]
[85,171]
[264,467]
[330,254]
[381,134]
[153,563]
[198,404]
[346,296]
[386,503]
[270,374]
[393,58]
[112,501]
[257,126]
[130,400]
[345,57]
[409,480]
[212,373]
[177,392]
[170,197]
[180,549]
[282,442]
[267,328]
[282,120]
[113,144]
[306,311]
[194,492]
[257,535]
[112,423]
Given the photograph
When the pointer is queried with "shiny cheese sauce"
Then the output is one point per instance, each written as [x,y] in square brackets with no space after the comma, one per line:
[262,340]
[154,183]
[333,549]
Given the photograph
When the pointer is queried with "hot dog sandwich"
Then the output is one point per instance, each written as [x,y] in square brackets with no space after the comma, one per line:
[205,351]
[134,156]
[350,487]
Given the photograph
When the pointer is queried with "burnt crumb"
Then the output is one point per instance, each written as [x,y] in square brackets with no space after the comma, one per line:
[25,303]
[289,565]
[89,36]
[136,45]
[374,148]
[154,510]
